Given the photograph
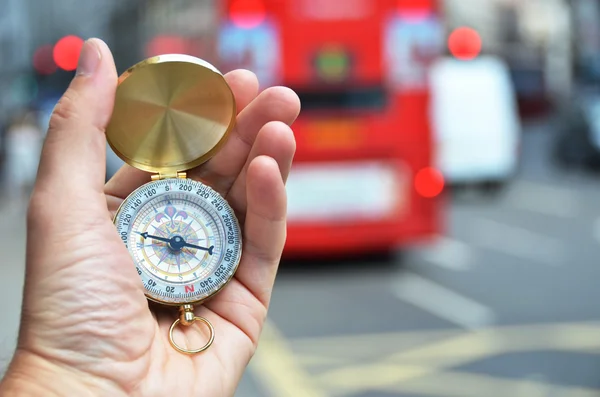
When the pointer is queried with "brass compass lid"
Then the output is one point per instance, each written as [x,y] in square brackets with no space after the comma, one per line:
[172,113]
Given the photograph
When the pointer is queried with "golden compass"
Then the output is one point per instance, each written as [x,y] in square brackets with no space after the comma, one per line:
[173,113]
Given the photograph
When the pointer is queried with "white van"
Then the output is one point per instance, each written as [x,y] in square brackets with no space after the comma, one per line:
[475,120]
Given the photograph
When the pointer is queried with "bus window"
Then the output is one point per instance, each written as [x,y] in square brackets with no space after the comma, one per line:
[353,99]
[255,48]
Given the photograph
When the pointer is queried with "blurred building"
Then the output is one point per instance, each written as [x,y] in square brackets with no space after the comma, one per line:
[15,48]
[533,36]
[134,29]
[586,17]
[147,28]
[28,25]
[547,26]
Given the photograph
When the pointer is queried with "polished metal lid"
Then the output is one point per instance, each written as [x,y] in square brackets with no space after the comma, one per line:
[172,113]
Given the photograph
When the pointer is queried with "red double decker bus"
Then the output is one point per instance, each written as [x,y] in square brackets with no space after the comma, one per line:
[363,177]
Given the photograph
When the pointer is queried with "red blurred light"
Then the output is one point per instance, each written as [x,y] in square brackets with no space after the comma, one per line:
[247,14]
[66,52]
[42,60]
[429,182]
[465,43]
[161,45]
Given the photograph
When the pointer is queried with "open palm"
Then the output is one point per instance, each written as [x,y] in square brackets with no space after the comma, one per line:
[85,317]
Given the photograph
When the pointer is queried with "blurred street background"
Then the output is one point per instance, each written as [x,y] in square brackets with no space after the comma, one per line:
[444,206]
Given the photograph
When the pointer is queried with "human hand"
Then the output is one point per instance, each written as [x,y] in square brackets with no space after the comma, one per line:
[86,326]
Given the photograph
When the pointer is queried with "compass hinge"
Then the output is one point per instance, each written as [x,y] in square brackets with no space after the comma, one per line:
[168,175]
[186,314]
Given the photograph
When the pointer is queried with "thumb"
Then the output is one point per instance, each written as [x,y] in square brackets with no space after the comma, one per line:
[73,161]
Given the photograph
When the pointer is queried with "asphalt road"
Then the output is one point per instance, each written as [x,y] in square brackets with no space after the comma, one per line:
[506,304]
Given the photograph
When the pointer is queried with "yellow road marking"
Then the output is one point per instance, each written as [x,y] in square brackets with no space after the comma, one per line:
[478,344]
[365,345]
[377,376]
[409,338]
[276,368]
[317,361]
[354,364]
[462,350]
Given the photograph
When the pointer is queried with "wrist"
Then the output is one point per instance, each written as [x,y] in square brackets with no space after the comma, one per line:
[31,375]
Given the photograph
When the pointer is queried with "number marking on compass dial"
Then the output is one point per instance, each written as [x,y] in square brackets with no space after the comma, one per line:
[184,239]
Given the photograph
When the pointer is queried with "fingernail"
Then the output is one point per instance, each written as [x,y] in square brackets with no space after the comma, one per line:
[89,59]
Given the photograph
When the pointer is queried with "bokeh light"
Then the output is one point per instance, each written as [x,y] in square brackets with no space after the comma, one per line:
[464,43]
[247,14]
[66,52]
[429,182]
[43,61]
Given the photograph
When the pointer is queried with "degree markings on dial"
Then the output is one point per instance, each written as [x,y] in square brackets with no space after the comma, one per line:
[206,210]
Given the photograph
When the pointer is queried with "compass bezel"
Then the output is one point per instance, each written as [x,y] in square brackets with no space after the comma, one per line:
[208,197]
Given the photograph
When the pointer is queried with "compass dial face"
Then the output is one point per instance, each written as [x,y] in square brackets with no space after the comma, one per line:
[184,239]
